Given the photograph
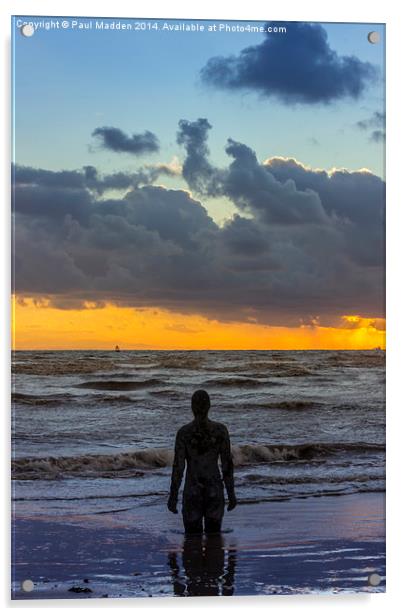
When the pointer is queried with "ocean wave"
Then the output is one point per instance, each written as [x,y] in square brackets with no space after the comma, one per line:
[32,400]
[279,369]
[89,497]
[265,369]
[290,371]
[257,454]
[357,359]
[59,367]
[115,375]
[286,480]
[234,382]
[342,491]
[289,405]
[128,463]
[69,399]
[119,385]
[111,399]
[171,394]
[181,363]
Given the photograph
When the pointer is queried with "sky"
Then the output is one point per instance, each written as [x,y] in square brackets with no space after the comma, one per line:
[208,189]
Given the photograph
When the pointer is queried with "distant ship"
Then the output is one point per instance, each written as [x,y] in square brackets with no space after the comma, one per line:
[117,348]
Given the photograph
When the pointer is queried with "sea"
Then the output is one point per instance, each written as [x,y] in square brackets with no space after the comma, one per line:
[93,431]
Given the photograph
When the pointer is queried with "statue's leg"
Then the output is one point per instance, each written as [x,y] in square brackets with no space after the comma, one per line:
[213,525]
[214,506]
[192,509]
[194,527]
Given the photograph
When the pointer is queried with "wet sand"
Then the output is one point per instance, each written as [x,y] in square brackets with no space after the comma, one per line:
[327,545]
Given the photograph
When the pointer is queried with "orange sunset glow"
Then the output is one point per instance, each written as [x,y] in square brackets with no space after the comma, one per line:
[44,327]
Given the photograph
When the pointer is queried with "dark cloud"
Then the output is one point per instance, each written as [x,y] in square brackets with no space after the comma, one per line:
[376,120]
[357,321]
[354,200]
[253,188]
[298,66]
[43,177]
[116,140]
[197,171]
[247,183]
[243,237]
[377,136]
[375,124]
[88,177]
[304,242]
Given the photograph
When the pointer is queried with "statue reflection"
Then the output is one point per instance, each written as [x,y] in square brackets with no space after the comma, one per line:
[204,571]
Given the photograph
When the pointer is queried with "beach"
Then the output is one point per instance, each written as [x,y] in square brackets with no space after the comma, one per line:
[324,545]
[93,435]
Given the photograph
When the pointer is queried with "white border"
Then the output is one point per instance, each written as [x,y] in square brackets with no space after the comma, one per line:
[308,10]
[294,10]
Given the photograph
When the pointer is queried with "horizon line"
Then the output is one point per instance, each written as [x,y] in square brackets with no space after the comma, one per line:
[112,350]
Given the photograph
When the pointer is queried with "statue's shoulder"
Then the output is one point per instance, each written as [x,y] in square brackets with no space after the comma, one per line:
[185,430]
[219,428]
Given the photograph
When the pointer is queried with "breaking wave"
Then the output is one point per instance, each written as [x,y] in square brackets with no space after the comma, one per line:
[304,480]
[129,464]
[257,454]
[123,464]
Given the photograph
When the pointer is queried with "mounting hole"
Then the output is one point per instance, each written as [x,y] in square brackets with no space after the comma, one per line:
[27,585]
[27,30]
[373,37]
[374,579]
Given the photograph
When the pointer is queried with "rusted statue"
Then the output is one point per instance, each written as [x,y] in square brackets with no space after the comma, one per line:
[198,447]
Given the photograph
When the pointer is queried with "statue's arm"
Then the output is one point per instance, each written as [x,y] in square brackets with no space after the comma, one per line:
[227,469]
[179,463]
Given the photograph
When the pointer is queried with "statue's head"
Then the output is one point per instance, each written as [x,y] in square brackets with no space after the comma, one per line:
[200,403]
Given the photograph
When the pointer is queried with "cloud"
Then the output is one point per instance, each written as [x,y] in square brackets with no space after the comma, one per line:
[357,321]
[298,66]
[375,124]
[304,242]
[282,191]
[376,120]
[183,329]
[377,136]
[247,183]
[253,188]
[43,177]
[197,171]
[116,140]
[89,177]
[172,169]
[353,200]
[243,237]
